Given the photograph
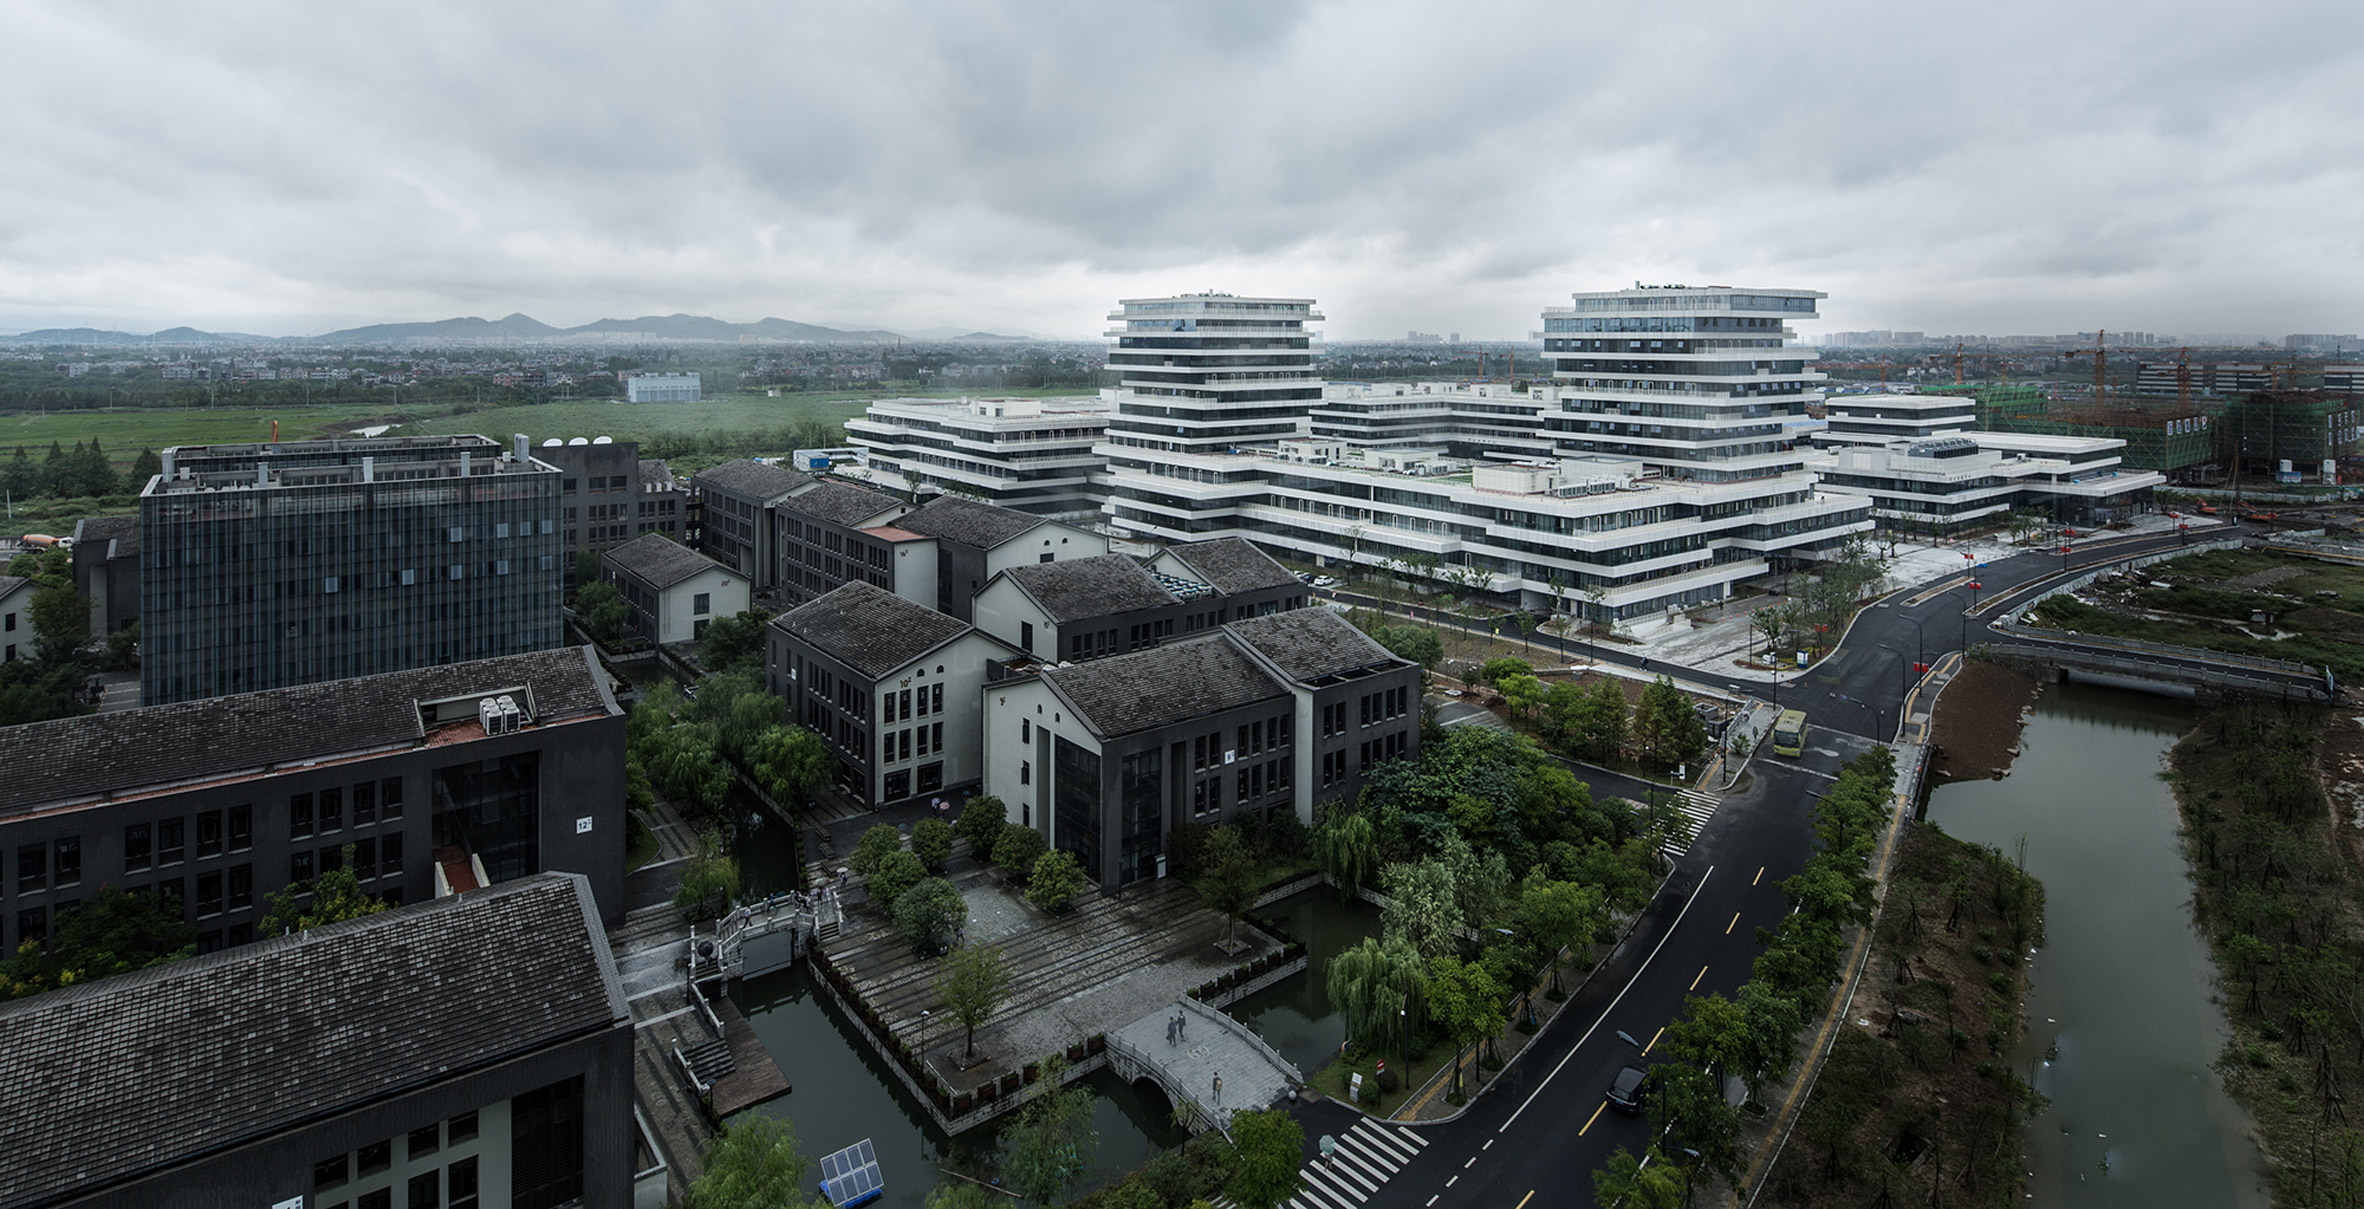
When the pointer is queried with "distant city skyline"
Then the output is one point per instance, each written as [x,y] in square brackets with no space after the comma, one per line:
[2039,169]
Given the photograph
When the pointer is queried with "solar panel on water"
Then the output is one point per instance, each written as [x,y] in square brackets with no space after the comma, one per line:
[850,1176]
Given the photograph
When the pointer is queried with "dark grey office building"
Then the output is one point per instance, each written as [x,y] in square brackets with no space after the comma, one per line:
[107,569]
[608,496]
[219,803]
[271,565]
[469,1053]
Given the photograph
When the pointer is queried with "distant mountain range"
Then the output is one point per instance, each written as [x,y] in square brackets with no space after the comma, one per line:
[524,328]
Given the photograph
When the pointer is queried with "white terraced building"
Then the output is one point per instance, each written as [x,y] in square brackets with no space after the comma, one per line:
[1472,420]
[1031,455]
[1928,469]
[1201,377]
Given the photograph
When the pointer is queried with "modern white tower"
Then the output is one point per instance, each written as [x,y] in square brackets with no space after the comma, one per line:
[1201,377]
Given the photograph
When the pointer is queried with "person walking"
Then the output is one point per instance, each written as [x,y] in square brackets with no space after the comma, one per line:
[1218,1090]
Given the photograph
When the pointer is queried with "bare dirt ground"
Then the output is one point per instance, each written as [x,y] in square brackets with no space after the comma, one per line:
[2342,769]
[1976,727]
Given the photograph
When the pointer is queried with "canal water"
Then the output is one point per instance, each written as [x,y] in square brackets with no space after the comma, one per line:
[2122,1022]
[844,1093]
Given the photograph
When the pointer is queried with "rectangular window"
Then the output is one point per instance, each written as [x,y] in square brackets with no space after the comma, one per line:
[936,731]
[904,745]
[332,810]
[135,847]
[241,887]
[390,854]
[365,803]
[1026,772]
[174,892]
[1366,703]
[923,740]
[702,604]
[332,858]
[425,1140]
[299,816]
[460,1183]
[1025,636]
[1242,792]
[32,926]
[1025,730]
[241,828]
[546,1146]
[209,833]
[923,702]
[329,1173]
[67,865]
[463,1128]
[390,798]
[376,1157]
[170,846]
[365,858]
[209,894]
[1198,751]
[299,870]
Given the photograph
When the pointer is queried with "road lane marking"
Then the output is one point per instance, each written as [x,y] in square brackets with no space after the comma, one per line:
[1488,1146]
[1759,877]
[1734,924]
[1596,1115]
[1696,981]
[1654,1040]
[1596,1024]
[1455,1180]
[1524,1199]
[1432,1200]
[1471,1163]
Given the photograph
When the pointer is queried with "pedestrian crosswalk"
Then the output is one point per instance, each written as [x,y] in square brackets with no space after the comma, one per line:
[1696,807]
[1365,1157]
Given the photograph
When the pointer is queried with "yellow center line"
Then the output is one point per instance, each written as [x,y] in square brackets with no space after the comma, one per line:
[1653,1042]
[1759,877]
[1702,974]
[1524,1199]
[1596,1115]
[1734,924]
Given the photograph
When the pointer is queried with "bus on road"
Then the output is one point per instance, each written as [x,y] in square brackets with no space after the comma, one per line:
[1789,733]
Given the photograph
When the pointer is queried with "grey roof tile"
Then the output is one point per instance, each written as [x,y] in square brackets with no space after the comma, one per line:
[659,560]
[124,531]
[10,583]
[1232,564]
[79,759]
[1310,644]
[869,629]
[1124,694]
[746,477]
[968,522]
[843,503]
[1090,587]
[123,1076]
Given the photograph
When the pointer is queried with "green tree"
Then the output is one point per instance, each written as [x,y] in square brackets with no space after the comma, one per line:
[1630,1183]
[1346,847]
[1228,882]
[709,882]
[599,605]
[735,642]
[1270,1145]
[1772,1020]
[895,873]
[1688,1106]
[56,471]
[334,896]
[20,478]
[1666,729]
[1018,849]
[1373,981]
[1051,1144]
[1712,1032]
[109,933]
[980,823]
[1422,909]
[30,692]
[751,1164]
[931,842]
[1559,914]
[960,1194]
[143,467]
[790,762]
[1057,878]
[1417,643]
[1597,724]
[691,773]
[873,847]
[1508,665]
[972,985]
[61,624]
[1522,692]
[123,648]
[1464,998]
[930,913]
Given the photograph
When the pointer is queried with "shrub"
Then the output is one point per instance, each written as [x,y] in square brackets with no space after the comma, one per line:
[1018,849]
[1284,836]
[981,823]
[930,913]
[873,847]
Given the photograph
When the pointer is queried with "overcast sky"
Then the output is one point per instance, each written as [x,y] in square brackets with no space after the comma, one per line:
[2002,168]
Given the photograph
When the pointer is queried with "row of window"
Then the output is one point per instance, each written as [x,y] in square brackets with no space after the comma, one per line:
[324,811]
[1256,736]
[1270,776]
[444,1187]
[896,745]
[1385,748]
[1381,706]
[899,705]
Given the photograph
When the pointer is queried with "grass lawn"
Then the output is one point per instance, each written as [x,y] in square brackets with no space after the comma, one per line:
[2201,612]
[640,421]
[1332,1080]
[124,433]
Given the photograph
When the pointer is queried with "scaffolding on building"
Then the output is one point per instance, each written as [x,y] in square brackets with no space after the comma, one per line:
[2265,428]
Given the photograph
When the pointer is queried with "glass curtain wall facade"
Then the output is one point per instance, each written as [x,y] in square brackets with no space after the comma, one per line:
[1201,376]
[1075,797]
[276,566]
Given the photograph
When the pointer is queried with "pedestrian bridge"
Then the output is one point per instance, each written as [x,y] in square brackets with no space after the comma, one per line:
[1211,1045]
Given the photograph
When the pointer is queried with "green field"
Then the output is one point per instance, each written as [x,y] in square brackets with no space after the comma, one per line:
[124,433]
[641,421]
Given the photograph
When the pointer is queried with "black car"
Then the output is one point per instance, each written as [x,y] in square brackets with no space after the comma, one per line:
[1625,1095]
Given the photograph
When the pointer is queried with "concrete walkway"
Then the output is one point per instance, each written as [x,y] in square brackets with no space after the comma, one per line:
[1212,1061]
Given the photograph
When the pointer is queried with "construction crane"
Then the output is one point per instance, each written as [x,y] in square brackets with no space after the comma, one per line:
[2101,368]
[2002,366]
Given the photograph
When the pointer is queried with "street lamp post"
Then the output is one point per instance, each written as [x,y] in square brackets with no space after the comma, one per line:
[923,1036]
[1903,675]
[1920,644]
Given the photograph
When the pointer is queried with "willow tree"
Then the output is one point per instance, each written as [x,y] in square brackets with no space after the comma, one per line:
[1371,983]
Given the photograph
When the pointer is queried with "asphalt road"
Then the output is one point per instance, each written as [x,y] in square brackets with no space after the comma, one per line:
[1533,1141]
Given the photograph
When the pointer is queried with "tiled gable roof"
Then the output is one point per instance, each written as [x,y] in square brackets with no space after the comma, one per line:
[747,477]
[1310,644]
[1232,564]
[80,759]
[121,1077]
[660,561]
[869,629]
[843,503]
[1090,587]
[1177,682]
[123,531]
[968,522]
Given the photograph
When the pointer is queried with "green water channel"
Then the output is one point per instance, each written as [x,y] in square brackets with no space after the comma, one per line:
[2122,1018]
